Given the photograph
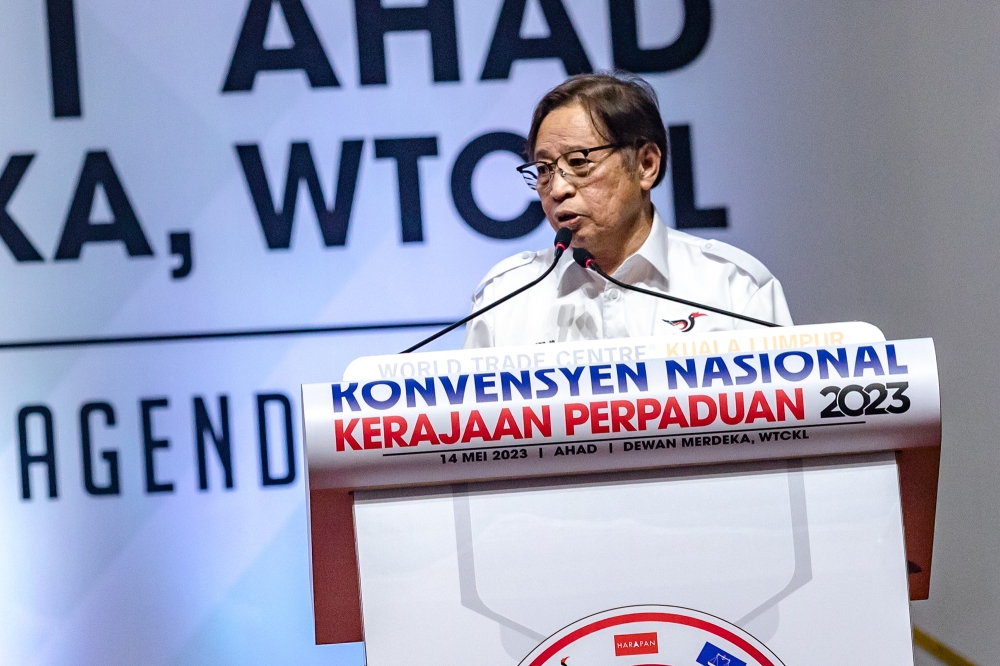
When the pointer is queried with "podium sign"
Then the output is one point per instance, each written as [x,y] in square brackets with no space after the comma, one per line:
[517,492]
[628,414]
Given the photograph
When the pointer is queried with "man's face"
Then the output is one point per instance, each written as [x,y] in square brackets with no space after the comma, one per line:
[602,210]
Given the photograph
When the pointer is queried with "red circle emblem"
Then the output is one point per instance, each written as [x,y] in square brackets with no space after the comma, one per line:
[660,634]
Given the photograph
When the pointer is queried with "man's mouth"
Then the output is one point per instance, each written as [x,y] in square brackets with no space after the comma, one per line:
[567,219]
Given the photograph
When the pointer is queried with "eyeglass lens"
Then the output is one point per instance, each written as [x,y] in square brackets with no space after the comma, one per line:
[574,165]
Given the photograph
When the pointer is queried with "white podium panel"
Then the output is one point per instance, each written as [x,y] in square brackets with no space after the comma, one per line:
[805,558]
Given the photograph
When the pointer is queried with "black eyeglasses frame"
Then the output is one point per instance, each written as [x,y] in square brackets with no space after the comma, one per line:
[554,165]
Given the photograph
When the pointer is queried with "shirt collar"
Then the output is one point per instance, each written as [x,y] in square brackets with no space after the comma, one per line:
[652,254]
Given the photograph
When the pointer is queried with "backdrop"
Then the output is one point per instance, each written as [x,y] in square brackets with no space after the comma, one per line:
[205,205]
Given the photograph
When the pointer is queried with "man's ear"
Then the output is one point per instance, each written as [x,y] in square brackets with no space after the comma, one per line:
[649,159]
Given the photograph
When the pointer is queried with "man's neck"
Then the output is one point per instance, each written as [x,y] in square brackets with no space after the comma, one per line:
[623,247]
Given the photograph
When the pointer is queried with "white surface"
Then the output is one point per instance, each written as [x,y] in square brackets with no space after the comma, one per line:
[808,560]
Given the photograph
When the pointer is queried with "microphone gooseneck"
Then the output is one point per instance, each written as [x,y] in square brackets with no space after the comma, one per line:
[563,238]
[587,260]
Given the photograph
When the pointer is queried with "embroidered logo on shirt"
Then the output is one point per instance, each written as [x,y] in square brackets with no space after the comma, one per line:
[685,324]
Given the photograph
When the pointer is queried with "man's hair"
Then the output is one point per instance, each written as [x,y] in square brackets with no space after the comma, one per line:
[622,107]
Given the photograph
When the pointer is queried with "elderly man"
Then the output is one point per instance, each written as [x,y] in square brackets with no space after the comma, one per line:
[598,147]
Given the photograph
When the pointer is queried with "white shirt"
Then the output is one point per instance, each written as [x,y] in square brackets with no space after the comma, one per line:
[573,303]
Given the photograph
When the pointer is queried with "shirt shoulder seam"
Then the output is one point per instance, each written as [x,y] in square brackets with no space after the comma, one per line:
[503,267]
[743,261]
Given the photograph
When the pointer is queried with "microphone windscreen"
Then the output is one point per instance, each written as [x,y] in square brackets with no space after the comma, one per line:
[563,238]
[582,256]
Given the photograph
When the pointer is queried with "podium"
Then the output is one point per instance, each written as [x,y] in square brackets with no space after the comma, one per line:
[739,497]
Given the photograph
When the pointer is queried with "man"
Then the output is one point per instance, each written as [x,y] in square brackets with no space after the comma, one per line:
[598,146]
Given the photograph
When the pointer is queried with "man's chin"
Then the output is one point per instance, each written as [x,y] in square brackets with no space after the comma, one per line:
[582,238]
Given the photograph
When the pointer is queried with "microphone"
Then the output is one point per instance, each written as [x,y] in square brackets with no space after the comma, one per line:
[563,238]
[587,260]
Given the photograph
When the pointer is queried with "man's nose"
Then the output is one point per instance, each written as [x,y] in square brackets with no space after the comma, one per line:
[559,187]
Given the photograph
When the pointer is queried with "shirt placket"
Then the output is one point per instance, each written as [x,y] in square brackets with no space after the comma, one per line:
[613,312]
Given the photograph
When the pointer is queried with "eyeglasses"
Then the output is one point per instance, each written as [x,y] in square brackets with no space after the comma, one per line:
[574,166]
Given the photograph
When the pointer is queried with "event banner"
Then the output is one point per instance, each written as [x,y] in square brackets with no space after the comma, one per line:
[622,413]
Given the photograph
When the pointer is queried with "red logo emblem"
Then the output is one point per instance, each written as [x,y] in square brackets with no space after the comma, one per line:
[629,644]
[685,324]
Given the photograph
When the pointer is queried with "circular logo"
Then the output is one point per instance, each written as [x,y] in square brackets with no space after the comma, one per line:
[651,636]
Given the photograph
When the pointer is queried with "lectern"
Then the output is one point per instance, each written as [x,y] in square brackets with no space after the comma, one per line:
[750,497]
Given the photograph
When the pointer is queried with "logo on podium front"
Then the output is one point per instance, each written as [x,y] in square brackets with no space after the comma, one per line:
[629,644]
[672,633]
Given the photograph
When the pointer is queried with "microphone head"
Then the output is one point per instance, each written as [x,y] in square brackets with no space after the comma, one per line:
[563,238]
[584,258]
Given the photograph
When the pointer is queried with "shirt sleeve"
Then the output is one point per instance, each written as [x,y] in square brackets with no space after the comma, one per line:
[479,331]
[768,303]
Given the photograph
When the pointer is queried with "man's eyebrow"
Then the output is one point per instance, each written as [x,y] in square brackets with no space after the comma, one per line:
[556,155]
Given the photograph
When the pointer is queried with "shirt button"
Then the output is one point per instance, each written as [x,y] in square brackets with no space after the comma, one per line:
[525,255]
[708,245]
[613,294]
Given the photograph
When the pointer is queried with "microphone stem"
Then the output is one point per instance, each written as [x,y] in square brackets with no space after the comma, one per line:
[668,297]
[559,253]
